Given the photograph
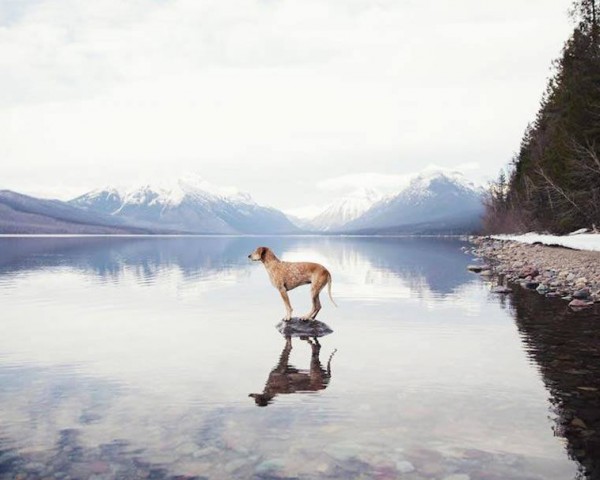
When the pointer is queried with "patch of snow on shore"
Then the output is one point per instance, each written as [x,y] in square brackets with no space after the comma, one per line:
[584,241]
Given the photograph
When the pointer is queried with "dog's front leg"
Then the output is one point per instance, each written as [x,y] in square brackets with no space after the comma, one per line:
[288,305]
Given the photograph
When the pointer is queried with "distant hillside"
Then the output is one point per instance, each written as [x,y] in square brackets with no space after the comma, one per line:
[345,209]
[432,203]
[187,205]
[21,214]
[553,182]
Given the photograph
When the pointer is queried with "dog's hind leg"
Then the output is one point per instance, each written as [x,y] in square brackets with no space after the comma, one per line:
[316,301]
[316,305]
[288,305]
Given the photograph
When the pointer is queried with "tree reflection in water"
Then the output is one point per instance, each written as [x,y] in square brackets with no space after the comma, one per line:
[566,347]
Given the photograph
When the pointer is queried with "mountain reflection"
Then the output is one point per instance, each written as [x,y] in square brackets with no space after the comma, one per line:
[564,345]
[433,264]
[286,378]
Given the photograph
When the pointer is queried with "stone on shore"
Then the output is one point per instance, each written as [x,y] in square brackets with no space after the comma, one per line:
[552,272]
[582,294]
[577,304]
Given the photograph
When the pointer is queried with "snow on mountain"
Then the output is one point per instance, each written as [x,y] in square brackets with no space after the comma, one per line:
[188,204]
[345,209]
[24,214]
[432,202]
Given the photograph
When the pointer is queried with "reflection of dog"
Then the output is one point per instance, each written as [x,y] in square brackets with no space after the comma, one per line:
[284,378]
[286,276]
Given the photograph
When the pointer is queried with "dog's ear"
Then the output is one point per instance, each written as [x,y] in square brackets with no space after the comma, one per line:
[263,252]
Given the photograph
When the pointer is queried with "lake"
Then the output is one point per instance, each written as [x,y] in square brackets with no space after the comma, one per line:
[138,357]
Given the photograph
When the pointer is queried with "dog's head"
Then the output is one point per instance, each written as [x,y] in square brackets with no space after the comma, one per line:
[258,254]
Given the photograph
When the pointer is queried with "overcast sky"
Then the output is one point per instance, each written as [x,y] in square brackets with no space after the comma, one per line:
[280,98]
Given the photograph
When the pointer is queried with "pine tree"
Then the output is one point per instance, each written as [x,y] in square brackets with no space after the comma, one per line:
[554,183]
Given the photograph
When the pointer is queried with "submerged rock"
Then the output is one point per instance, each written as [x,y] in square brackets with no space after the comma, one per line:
[296,327]
[478,268]
[542,289]
[404,466]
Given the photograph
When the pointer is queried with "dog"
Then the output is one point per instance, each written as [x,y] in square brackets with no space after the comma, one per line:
[285,378]
[286,276]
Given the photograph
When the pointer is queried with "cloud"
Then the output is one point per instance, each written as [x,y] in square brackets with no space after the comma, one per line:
[371,180]
[386,183]
[267,95]
[305,211]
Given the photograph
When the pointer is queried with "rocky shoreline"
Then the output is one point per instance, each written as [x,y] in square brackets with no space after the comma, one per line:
[573,275]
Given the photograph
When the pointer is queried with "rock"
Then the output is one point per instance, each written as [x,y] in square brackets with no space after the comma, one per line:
[477,268]
[582,294]
[458,476]
[297,327]
[531,285]
[501,289]
[581,281]
[553,294]
[486,273]
[269,466]
[542,289]
[98,467]
[570,277]
[234,465]
[577,304]
[404,466]
[529,271]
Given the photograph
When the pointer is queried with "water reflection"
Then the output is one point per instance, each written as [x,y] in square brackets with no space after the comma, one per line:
[363,266]
[564,345]
[133,358]
[286,379]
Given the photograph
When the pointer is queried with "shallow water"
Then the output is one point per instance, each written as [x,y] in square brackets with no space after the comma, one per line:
[135,358]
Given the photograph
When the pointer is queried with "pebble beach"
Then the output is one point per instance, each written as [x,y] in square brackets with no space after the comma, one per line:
[573,275]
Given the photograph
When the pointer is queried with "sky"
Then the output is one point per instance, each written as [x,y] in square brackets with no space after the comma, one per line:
[295,101]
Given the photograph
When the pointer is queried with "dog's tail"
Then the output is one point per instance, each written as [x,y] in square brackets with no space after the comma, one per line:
[329,362]
[329,289]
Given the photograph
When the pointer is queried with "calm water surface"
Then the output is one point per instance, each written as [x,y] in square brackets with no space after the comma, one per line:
[136,358]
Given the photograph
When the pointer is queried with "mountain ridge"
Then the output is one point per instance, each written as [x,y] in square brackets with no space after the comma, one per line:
[431,203]
[187,204]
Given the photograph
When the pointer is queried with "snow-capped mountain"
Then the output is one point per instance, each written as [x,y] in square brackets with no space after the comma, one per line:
[25,214]
[189,204]
[345,210]
[434,202]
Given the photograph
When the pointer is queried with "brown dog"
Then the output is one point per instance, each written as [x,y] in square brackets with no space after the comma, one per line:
[286,276]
